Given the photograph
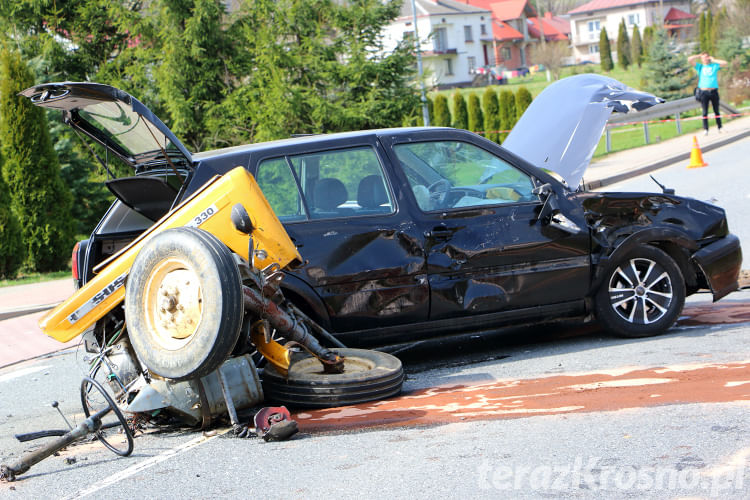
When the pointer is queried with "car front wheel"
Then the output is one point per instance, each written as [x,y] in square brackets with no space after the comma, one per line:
[642,294]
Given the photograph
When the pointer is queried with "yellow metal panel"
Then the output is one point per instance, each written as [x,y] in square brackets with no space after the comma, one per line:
[210,209]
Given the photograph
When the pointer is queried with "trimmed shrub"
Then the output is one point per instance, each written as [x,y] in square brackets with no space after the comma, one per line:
[476,121]
[442,117]
[523,100]
[491,111]
[507,112]
[460,114]
[39,197]
[623,46]
[605,51]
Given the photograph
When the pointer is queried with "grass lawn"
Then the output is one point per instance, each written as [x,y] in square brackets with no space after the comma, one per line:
[631,136]
[25,279]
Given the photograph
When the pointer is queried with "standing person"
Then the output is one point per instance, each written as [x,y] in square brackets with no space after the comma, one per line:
[708,85]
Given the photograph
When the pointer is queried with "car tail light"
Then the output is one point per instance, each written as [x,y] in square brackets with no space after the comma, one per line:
[74,259]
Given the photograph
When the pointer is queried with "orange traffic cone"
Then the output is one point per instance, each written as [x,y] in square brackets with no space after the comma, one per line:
[696,157]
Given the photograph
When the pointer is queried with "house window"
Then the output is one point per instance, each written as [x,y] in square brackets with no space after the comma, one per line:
[594,29]
[472,64]
[409,36]
[594,48]
[441,40]
[468,35]
[448,67]
[634,19]
[483,29]
[505,53]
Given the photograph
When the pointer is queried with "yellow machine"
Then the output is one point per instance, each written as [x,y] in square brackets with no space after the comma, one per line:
[208,209]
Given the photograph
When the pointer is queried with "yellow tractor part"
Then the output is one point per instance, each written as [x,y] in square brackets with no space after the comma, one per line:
[275,353]
[208,209]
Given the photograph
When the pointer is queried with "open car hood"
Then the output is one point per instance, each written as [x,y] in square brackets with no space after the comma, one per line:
[114,119]
[561,128]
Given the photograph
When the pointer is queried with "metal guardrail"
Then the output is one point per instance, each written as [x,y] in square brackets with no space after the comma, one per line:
[667,109]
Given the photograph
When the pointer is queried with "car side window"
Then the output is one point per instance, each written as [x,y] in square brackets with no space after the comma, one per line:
[343,183]
[454,174]
[280,189]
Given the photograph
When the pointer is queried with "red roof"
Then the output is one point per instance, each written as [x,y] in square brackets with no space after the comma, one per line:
[605,4]
[503,31]
[677,15]
[677,26]
[550,31]
[505,10]
[560,23]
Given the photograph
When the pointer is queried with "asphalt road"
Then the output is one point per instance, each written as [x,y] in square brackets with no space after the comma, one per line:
[560,411]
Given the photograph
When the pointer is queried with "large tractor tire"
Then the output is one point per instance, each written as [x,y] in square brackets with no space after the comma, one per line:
[183,304]
[368,376]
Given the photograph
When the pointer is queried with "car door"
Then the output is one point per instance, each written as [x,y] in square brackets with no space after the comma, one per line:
[487,250]
[363,256]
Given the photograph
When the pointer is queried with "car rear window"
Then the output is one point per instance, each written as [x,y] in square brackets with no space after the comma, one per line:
[326,185]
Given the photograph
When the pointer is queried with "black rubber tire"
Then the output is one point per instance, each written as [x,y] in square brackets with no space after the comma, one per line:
[628,319]
[308,387]
[218,326]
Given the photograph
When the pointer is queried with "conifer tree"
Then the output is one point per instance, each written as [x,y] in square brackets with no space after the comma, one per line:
[665,72]
[702,43]
[507,103]
[39,198]
[605,52]
[460,114]
[476,122]
[11,248]
[636,47]
[523,100]
[623,46]
[648,35]
[442,116]
[491,110]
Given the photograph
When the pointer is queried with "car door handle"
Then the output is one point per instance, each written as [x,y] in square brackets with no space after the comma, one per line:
[440,232]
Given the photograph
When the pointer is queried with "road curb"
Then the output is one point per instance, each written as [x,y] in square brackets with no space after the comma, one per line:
[23,311]
[606,181]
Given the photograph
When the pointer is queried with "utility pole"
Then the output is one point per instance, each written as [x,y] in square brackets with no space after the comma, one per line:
[420,71]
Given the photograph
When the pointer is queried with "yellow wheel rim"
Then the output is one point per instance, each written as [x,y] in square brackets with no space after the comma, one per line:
[173,303]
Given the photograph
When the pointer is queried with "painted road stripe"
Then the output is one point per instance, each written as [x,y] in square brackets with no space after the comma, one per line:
[146,464]
[22,372]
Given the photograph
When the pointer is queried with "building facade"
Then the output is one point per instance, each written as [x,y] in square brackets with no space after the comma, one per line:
[455,39]
[587,21]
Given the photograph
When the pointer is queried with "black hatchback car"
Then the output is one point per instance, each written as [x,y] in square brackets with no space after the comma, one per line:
[416,232]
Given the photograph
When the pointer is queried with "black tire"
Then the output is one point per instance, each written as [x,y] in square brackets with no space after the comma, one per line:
[642,294]
[368,376]
[177,337]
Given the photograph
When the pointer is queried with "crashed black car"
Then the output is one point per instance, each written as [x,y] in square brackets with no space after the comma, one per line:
[416,232]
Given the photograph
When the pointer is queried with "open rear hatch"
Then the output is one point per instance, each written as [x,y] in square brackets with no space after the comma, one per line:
[117,121]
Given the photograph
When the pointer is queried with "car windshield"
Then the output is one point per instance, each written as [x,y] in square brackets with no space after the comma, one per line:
[128,129]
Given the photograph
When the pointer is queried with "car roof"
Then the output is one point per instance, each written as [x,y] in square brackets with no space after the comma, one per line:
[311,140]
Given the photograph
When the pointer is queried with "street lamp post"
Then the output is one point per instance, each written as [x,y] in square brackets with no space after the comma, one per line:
[425,112]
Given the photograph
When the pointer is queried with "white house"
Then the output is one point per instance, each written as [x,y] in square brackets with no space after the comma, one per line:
[587,21]
[455,39]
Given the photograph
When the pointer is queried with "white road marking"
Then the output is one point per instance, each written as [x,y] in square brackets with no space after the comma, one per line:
[135,469]
[22,372]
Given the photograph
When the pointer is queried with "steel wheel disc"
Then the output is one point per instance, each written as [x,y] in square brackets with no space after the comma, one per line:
[173,303]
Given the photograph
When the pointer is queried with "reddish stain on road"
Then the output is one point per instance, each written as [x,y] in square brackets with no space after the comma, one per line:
[720,313]
[588,392]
